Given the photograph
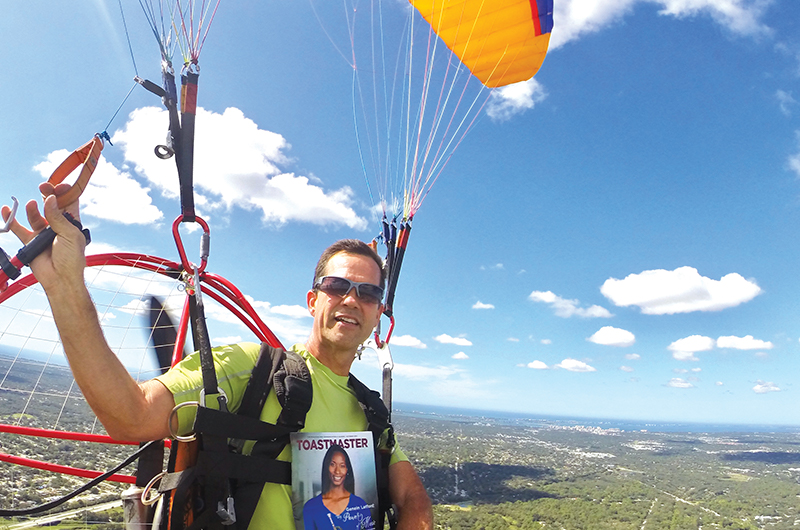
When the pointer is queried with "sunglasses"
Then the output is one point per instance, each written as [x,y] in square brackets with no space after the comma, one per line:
[333,285]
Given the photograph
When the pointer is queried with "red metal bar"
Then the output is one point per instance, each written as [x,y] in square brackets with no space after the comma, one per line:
[66,470]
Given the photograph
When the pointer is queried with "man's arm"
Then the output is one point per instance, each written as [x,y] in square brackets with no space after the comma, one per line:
[127,410]
[414,510]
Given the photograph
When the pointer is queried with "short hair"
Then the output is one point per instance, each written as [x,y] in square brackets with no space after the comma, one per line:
[349,246]
[349,479]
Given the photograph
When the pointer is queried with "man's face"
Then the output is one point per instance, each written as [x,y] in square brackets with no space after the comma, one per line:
[344,322]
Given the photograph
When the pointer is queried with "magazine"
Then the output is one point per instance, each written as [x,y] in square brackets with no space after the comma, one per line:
[333,481]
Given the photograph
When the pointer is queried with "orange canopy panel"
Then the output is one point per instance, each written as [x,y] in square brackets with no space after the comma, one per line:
[500,41]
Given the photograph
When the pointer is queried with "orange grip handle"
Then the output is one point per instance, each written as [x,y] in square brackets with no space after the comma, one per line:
[87,155]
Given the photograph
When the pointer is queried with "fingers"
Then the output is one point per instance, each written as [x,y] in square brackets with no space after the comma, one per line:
[48,190]
[17,229]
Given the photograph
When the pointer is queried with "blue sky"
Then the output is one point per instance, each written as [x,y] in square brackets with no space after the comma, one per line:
[619,240]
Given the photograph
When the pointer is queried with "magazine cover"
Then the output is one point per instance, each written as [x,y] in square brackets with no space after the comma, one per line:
[333,481]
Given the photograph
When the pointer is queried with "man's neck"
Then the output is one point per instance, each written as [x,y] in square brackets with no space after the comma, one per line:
[339,361]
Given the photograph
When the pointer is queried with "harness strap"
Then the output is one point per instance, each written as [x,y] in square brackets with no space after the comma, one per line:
[378,421]
[217,423]
[287,373]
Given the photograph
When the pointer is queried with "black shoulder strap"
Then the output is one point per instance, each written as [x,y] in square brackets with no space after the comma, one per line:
[378,420]
[287,373]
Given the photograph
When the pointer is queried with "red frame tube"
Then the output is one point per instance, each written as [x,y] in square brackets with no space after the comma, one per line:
[66,470]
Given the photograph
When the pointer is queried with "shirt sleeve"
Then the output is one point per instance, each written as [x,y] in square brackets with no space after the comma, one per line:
[233,364]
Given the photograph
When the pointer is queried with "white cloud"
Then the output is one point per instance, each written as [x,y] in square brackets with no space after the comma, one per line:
[111,194]
[421,373]
[444,338]
[743,343]
[633,356]
[574,365]
[685,348]
[697,369]
[566,308]
[684,356]
[611,336]
[247,176]
[693,343]
[763,387]
[408,340]
[537,365]
[677,382]
[794,160]
[659,292]
[510,100]
[786,102]
[481,305]
[626,368]
[680,370]
[460,355]
[575,18]
[221,341]
[546,341]
[294,311]
[512,339]
[719,383]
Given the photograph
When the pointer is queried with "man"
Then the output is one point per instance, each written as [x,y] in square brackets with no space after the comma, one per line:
[131,411]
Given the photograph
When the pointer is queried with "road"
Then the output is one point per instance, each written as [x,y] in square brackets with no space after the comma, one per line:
[53,518]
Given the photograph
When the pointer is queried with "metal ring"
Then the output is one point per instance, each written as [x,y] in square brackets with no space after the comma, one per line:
[152,500]
[163,152]
[203,396]
[189,438]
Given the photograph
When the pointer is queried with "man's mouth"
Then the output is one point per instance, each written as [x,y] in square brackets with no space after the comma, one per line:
[347,320]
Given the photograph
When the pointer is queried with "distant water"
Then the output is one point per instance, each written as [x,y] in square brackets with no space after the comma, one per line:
[539,420]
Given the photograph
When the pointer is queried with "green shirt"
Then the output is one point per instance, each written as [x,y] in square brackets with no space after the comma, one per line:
[334,409]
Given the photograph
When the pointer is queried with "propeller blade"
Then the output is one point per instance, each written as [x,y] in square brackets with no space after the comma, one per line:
[163,335]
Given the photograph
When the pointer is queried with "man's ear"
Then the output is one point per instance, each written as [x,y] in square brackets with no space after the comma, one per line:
[311,301]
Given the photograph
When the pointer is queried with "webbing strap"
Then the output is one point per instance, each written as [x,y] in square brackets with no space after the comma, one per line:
[214,422]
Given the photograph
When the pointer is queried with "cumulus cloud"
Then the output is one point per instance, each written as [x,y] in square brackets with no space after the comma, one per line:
[111,194]
[222,341]
[785,101]
[659,292]
[762,387]
[684,349]
[794,160]
[512,339]
[633,356]
[574,365]
[444,338]
[565,308]
[248,176]
[626,368]
[294,311]
[743,343]
[546,341]
[611,336]
[677,382]
[423,373]
[537,365]
[510,100]
[575,18]
[408,340]
[481,305]
[460,355]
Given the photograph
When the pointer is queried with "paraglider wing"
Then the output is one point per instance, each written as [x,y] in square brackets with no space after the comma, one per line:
[500,41]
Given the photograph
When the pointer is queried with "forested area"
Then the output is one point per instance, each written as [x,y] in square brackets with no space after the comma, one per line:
[485,473]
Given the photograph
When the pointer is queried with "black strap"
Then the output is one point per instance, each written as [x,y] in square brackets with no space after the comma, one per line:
[287,373]
[378,422]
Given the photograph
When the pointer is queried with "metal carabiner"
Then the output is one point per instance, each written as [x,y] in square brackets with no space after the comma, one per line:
[11,217]
[205,242]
